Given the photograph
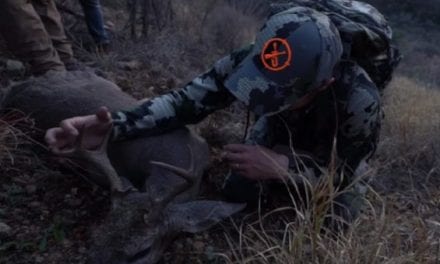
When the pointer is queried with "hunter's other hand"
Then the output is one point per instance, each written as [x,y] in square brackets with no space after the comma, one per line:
[256,162]
[94,129]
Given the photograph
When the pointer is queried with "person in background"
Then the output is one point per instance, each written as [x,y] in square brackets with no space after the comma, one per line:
[34,33]
[95,24]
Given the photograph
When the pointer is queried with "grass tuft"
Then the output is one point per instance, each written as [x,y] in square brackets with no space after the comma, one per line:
[13,138]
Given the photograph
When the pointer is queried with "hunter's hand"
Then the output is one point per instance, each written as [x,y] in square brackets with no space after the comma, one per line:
[94,128]
[256,162]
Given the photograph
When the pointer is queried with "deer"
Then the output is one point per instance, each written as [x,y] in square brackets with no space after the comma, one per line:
[153,181]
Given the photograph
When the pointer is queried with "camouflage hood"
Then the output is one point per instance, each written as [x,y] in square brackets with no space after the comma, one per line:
[294,52]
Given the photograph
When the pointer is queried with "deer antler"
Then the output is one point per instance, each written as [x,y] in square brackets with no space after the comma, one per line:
[187,174]
[98,157]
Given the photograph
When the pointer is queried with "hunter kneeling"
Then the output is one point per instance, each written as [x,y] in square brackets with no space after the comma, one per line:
[306,98]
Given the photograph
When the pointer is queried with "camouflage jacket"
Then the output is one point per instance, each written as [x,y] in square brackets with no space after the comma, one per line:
[344,120]
[347,114]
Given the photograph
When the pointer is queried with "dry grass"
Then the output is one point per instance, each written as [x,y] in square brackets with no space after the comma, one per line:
[410,143]
[421,55]
[412,114]
[401,221]
[13,138]
[389,231]
[427,11]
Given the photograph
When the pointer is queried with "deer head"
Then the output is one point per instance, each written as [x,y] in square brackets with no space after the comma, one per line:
[139,227]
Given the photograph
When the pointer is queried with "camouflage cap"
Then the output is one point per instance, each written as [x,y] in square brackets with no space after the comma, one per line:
[294,52]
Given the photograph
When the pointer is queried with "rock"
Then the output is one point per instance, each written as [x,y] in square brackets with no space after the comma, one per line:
[109,26]
[5,230]
[31,189]
[74,202]
[14,66]
[129,65]
[66,243]
[151,89]
[39,259]
[74,191]
[179,245]
[210,253]
[82,250]
[199,246]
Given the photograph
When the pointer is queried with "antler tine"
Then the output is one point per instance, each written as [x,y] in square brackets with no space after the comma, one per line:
[187,174]
[100,159]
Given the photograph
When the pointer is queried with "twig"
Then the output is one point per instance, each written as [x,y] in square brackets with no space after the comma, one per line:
[69,11]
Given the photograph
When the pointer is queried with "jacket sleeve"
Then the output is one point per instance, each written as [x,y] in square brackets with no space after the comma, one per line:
[189,105]
[361,116]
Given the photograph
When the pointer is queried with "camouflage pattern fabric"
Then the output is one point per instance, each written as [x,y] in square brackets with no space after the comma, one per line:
[190,105]
[294,53]
[349,111]
[365,33]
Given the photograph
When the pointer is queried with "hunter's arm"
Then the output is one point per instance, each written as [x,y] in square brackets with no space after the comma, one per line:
[189,105]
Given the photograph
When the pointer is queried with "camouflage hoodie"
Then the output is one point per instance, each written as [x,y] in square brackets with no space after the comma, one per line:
[347,114]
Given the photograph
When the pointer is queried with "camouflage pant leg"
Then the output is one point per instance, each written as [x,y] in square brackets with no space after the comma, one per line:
[27,37]
[51,18]
[346,208]
[348,205]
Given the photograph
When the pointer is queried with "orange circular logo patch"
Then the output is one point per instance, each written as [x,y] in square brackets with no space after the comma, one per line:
[276,54]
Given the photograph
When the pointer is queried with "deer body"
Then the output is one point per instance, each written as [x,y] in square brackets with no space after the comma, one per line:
[147,216]
[54,97]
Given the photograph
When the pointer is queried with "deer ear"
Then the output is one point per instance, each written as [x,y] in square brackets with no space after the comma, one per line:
[197,216]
